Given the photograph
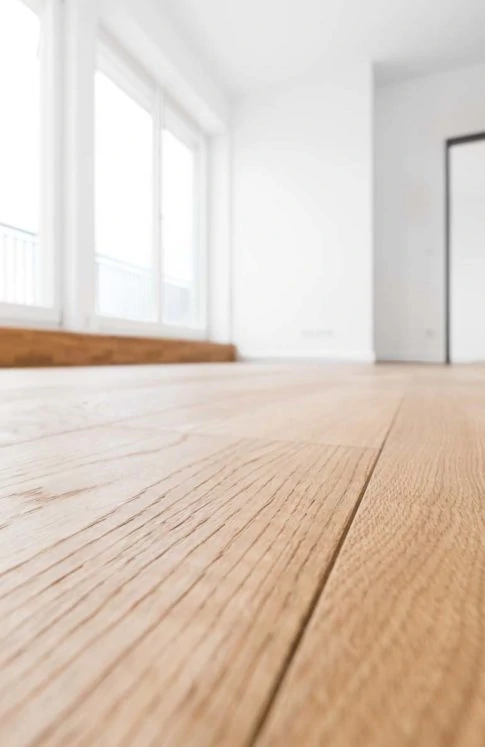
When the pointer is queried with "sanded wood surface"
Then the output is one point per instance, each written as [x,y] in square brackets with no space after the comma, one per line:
[242,554]
[36,347]
[395,651]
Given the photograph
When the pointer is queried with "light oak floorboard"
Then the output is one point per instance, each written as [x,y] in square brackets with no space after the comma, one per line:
[151,592]
[348,405]
[395,651]
[243,554]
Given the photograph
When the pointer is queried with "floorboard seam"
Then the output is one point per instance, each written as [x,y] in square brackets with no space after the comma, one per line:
[287,662]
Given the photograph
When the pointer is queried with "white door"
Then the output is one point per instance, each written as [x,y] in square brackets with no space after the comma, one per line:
[467,252]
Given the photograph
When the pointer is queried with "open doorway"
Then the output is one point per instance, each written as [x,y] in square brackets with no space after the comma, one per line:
[465,249]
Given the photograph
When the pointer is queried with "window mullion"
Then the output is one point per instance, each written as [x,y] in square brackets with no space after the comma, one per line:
[158,210]
[51,189]
[195,296]
[201,237]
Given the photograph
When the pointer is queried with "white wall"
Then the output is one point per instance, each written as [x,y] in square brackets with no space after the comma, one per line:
[413,120]
[303,219]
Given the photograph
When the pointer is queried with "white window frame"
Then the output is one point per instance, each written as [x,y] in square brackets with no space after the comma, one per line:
[125,72]
[61,194]
[49,13]
[179,124]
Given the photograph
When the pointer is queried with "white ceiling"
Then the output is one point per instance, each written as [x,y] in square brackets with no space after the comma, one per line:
[253,43]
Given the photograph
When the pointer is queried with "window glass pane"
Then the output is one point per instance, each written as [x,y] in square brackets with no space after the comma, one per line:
[178,173]
[22,272]
[124,205]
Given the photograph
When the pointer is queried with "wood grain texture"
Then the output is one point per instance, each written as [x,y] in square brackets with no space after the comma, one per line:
[33,347]
[242,555]
[256,402]
[395,652]
[334,414]
[152,592]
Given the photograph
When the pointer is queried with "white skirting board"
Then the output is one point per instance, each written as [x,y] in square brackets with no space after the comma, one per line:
[323,356]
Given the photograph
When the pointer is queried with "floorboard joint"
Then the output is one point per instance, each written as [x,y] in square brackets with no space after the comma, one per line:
[286,664]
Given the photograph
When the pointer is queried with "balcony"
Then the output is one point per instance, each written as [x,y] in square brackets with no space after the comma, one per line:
[124,290]
[20,267]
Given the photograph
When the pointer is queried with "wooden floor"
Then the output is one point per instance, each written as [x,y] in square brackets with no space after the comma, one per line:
[242,554]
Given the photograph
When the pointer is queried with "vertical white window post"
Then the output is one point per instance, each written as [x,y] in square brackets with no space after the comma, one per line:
[51,155]
[158,201]
[81,26]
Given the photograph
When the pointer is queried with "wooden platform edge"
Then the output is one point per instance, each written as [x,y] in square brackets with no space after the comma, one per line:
[24,348]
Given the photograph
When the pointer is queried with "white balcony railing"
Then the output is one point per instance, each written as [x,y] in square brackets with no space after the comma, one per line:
[125,291]
[20,267]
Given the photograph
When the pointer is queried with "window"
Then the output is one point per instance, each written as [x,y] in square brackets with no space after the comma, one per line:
[149,199]
[124,204]
[102,233]
[22,264]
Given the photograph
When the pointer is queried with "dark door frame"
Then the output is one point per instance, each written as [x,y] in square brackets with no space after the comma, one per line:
[448,145]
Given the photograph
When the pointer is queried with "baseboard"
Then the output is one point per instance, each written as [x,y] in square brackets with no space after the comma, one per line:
[468,361]
[309,356]
[23,348]
[408,357]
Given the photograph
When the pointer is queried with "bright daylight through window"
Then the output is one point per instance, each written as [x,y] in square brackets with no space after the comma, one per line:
[178,240]
[22,267]
[148,194]
[102,233]
[124,204]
